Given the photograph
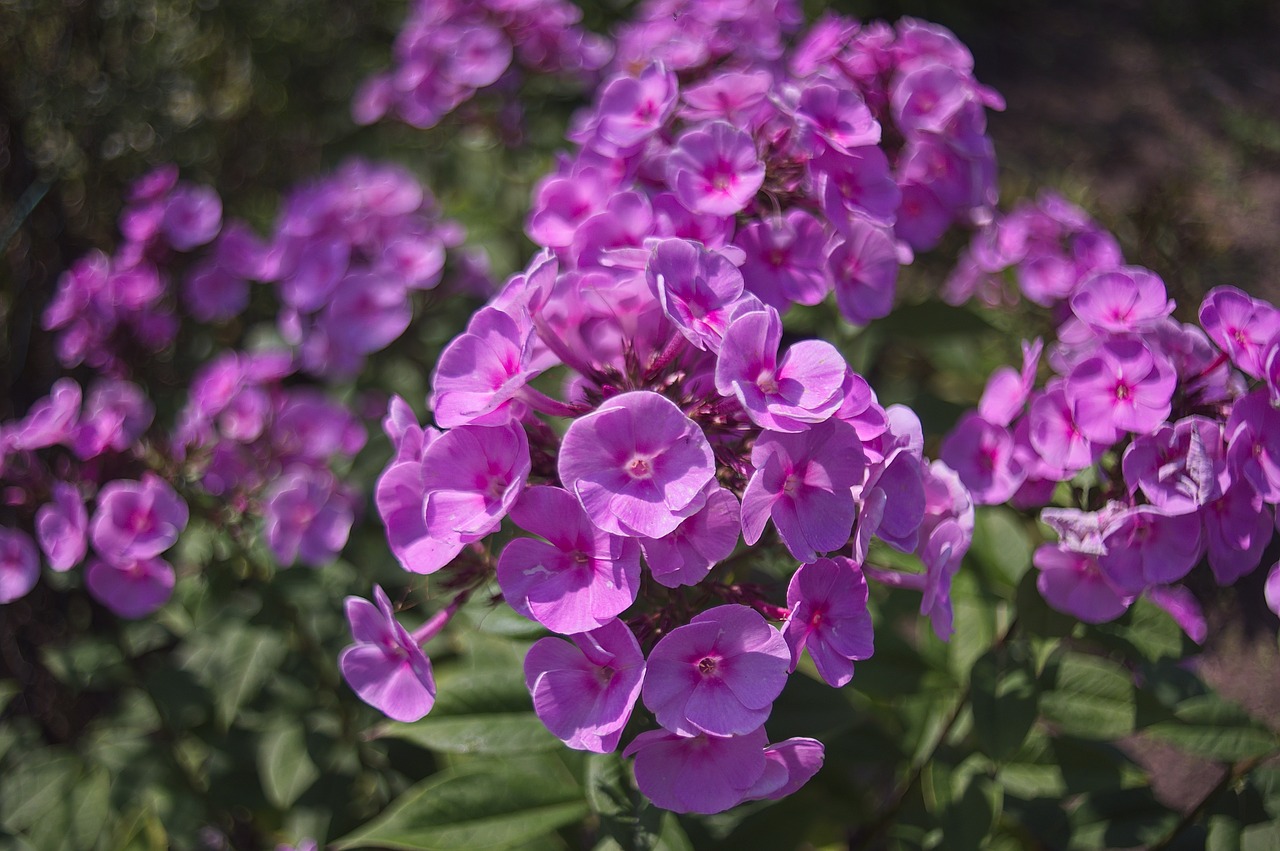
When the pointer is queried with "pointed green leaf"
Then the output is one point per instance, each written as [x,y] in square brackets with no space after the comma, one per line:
[1091,697]
[235,665]
[479,808]
[284,765]
[1209,727]
[1005,704]
[493,733]
[625,815]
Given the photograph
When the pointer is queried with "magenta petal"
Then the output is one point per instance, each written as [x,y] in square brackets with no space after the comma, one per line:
[19,565]
[367,623]
[702,774]
[799,760]
[133,589]
[390,682]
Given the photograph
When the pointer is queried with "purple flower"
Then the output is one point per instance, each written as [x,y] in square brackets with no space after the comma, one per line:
[864,269]
[829,618]
[192,216]
[580,579]
[719,674]
[631,109]
[785,259]
[480,373]
[926,98]
[1237,528]
[1129,298]
[19,565]
[805,386]
[1271,591]
[212,293]
[114,416]
[789,764]
[637,465]
[697,290]
[465,483]
[51,419]
[1145,547]
[700,773]
[1123,386]
[856,186]
[943,551]
[61,527]
[130,588]
[386,667]
[838,116]
[307,517]
[714,169]
[1242,327]
[137,520]
[1054,435]
[685,556]
[803,482]
[984,455]
[1073,583]
[1253,444]
[1181,467]
[584,692]
[1007,389]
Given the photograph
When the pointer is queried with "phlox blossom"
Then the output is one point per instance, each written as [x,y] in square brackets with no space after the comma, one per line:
[386,667]
[584,691]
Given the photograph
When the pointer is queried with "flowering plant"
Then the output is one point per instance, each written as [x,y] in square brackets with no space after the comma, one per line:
[677,554]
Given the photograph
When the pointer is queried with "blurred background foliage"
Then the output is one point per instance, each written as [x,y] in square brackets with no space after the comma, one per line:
[223,723]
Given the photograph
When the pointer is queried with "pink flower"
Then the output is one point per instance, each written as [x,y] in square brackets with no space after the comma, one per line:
[130,589]
[719,674]
[580,579]
[584,692]
[803,482]
[19,565]
[386,667]
[714,169]
[829,618]
[637,465]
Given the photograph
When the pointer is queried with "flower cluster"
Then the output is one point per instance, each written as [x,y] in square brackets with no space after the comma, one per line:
[692,215]
[70,454]
[1167,431]
[256,443]
[110,310]
[346,255]
[690,425]
[447,51]
[692,35]
[820,170]
[1049,246]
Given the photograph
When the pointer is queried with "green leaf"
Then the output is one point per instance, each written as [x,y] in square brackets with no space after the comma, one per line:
[1121,819]
[1091,697]
[477,712]
[478,808]
[234,664]
[625,815]
[284,765]
[1209,727]
[1000,543]
[969,818]
[1005,704]
[671,837]
[494,733]
[36,787]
